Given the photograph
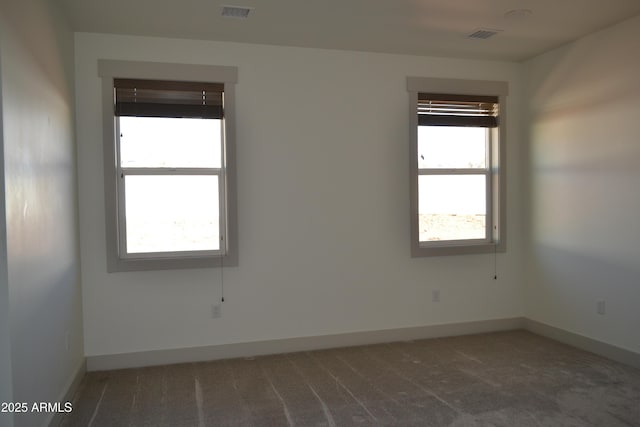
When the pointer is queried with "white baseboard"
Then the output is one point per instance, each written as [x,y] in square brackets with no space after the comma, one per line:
[69,392]
[289,345]
[609,351]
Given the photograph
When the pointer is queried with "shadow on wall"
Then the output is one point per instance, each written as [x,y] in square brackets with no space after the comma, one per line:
[584,102]
[567,266]
[39,37]
[568,286]
[598,70]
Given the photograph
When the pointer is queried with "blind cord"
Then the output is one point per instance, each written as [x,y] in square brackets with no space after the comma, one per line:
[222,273]
[495,262]
[495,259]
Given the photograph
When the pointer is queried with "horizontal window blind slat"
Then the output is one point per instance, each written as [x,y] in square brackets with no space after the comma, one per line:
[457,98]
[459,121]
[471,109]
[167,85]
[137,109]
[158,98]
[457,110]
[164,97]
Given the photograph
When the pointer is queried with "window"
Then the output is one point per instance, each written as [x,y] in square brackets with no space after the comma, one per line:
[457,166]
[169,165]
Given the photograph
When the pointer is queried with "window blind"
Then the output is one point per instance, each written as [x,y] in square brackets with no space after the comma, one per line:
[159,98]
[457,110]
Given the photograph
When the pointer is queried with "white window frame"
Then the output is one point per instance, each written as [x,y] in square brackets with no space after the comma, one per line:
[495,171]
[117,257]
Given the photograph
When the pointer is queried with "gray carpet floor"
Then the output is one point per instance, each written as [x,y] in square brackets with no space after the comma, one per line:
[498,379]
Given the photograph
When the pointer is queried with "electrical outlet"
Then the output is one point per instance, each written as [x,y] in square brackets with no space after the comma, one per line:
[216,311]
[601,307]
[435,295]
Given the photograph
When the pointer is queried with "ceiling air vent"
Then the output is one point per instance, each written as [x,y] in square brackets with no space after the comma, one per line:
[483,33]
[237,12]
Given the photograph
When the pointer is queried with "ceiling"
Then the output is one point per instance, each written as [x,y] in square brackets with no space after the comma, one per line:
[415,27]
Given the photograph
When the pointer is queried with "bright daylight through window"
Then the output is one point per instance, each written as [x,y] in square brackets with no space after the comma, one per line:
[453,186]
[170,179]
[168,158]
[169,162]
[457,155]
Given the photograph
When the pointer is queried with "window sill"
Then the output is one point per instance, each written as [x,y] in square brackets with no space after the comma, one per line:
[418,251]
[127,264]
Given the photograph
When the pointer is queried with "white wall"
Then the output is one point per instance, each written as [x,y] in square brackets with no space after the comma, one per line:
[6,388]
[323,206]
[44,302]
[585,175]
